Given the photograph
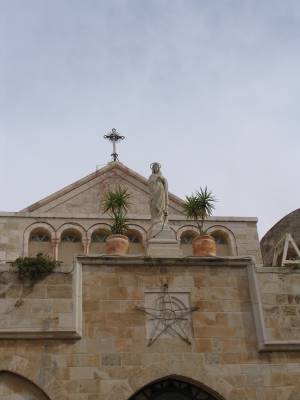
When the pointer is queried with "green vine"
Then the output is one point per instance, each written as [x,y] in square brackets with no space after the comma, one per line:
[34,269]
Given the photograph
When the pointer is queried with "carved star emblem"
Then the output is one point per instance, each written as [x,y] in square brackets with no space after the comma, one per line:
[169,315]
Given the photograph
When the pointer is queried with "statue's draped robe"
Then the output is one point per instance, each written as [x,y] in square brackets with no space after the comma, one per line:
[158,200]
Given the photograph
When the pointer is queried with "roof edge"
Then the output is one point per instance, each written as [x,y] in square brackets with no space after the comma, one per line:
[175,217]
[111,165]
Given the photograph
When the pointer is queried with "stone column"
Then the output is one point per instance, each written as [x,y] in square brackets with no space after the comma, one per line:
[55,243]
[86,245]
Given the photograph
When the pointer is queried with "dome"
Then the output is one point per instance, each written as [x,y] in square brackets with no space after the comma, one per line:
[288,224]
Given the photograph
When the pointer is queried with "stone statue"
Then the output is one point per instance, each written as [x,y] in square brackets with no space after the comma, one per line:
[158,187]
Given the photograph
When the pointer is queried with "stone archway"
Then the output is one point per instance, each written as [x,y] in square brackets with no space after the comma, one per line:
[16,387]
[175,388]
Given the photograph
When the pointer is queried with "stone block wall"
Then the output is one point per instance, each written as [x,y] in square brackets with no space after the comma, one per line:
[113,360]
[47,309]
[280,294]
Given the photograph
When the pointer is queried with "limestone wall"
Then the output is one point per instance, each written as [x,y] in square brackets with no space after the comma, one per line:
[48,309]
[113,360]
[280,294]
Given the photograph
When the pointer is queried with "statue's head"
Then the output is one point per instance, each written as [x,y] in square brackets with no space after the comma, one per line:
[155,167]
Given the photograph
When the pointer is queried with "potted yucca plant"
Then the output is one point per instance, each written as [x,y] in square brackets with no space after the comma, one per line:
[198,207]
[116,202]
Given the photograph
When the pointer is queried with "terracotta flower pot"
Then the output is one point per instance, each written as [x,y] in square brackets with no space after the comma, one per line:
[116,244]
[204,246]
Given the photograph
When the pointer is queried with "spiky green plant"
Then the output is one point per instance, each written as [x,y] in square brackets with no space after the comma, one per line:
[199,206]
[116,202]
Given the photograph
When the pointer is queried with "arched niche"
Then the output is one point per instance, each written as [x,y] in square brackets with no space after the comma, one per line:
[97,240]
[225,240]
[136,240]
[38,238]
[175,388]
[16,387]
[185,236]
[70,243]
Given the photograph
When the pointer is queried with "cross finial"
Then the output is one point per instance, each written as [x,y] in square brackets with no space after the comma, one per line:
[114,137]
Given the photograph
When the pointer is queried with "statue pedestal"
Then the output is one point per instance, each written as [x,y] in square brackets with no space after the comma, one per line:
[162,242]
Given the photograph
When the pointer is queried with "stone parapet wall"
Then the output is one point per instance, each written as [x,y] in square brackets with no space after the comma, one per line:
[15,230]
[113,359]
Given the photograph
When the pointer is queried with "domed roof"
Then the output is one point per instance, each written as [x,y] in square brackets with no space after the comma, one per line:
[288,224]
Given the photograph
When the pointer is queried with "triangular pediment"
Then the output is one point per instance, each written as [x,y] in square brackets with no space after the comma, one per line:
[83,197]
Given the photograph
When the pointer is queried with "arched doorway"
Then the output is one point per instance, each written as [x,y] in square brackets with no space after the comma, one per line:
[175,388]
[16,387]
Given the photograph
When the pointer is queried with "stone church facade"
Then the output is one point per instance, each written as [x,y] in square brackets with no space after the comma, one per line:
[137,327]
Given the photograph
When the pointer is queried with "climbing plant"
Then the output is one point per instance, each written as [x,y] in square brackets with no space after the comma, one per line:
[34,269]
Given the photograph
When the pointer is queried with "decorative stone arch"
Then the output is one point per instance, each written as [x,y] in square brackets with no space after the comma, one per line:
[139,247]
[178,384]
[65,252]
[100,226]
[229,236]
[30,371]
[71,225]
[35,226]
[184,229]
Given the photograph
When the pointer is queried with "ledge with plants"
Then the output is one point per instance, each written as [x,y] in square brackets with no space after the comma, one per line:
[31,270]
[198,207]
[116,202]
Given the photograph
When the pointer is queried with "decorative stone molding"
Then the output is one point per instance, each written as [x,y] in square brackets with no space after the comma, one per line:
[165,261]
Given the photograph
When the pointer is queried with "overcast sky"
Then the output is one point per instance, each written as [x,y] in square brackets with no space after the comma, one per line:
[210,89]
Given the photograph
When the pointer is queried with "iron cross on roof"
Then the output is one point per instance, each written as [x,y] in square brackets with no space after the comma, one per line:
[114,137]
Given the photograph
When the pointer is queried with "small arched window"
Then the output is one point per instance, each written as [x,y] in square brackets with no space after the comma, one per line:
[135,242]
[71,236]
[186,239]
[220,239]
[99,237]
[40,236]
[222,243]
[40,242]
[70,246]
[133,238]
